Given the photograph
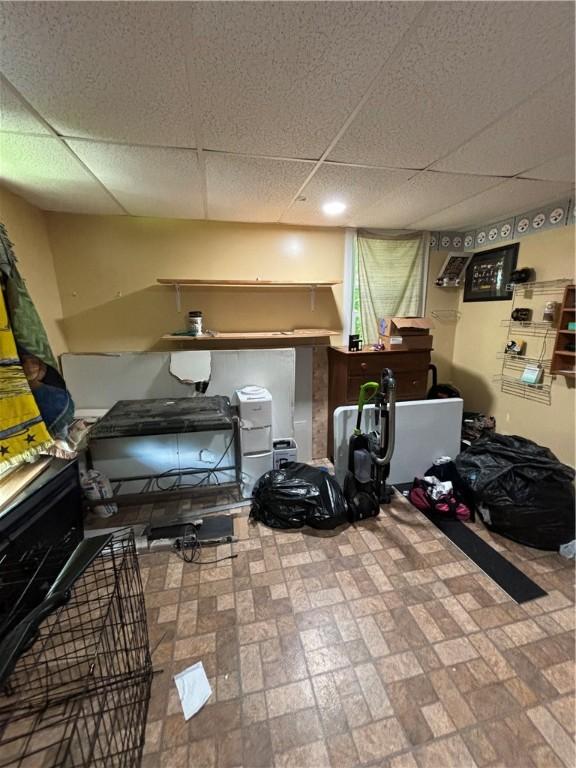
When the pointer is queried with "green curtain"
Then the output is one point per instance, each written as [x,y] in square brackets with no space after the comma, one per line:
[390,277]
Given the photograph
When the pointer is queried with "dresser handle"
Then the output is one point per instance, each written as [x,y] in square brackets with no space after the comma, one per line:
[415,381]
[363,366]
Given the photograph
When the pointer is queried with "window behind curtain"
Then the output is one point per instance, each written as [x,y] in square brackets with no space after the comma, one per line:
[389,278]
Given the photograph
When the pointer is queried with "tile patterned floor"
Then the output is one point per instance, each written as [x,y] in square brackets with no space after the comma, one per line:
[381,645]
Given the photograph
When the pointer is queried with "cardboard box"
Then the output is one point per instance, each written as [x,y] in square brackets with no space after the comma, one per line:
[404,326]
[417,343]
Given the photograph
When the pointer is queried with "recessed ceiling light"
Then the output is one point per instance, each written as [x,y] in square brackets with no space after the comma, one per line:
[334,208]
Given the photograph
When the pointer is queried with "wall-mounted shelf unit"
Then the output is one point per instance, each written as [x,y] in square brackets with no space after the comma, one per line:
[564,355]
[519,362]
[529,327]
[311,285]
[269,339]
[541,334]
[541,287]
[541,393]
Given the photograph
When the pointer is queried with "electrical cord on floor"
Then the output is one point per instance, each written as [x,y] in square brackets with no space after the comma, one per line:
[176,474]
[188,548]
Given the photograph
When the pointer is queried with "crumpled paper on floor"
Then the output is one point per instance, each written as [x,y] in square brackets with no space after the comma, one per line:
[193,688]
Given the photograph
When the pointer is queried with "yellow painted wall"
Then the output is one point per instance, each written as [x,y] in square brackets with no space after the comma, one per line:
[480,336]
[107,268]
[26,227]
[443,301]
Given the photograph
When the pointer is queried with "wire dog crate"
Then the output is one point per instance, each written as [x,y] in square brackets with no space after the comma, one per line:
[78,692]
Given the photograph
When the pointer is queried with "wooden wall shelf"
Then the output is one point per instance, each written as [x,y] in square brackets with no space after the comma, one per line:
[248,283]
[563,358]
[260,339]
[184,282]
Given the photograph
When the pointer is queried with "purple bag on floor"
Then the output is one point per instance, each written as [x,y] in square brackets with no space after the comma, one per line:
[445,504]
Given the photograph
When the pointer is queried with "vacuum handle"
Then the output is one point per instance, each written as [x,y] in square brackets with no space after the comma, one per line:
[388,427]
[367,392]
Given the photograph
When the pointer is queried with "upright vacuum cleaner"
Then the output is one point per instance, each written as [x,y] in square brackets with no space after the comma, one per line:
[369,455]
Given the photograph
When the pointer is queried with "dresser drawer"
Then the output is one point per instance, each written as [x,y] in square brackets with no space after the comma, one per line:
[371,364]
[410,385]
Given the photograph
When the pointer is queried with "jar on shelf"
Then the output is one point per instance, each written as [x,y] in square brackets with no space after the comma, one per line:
[195,323]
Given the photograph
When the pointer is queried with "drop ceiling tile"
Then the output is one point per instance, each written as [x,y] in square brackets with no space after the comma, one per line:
[357,187]
[559,169]
[47,174]
[146,181]
[421,196]
[251,189]
[539,129]
[464,65]
[507,199]
[15,116]
[279,78]
[111,71]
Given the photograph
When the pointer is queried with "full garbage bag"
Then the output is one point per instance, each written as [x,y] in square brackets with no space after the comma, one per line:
[298,495]
[528,492]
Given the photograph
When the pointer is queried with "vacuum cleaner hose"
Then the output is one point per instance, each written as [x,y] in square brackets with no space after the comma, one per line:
[389,383]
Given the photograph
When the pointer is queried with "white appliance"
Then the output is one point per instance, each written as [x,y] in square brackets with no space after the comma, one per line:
[255,411]
[425,430]
[285,450]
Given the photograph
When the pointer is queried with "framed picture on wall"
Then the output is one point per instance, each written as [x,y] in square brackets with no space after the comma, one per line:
[488,274]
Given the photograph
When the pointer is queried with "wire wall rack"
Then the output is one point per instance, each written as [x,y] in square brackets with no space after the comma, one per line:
[536,335]
[541,287]
[519,362]
[77,695]
[540,393]
[529,327]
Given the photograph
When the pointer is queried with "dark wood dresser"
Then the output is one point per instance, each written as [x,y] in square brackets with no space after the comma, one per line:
[348,370]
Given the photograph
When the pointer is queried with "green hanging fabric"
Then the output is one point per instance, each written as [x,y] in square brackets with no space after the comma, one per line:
[390,273]
[26,324]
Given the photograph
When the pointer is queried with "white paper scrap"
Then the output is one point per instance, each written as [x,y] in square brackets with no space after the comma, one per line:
[191,367]
[193,688]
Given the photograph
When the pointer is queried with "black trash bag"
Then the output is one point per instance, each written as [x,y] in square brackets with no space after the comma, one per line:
[298,495]
[528,492]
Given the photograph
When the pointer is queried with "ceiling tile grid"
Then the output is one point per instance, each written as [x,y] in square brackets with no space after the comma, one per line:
[15,115]
[558,169]
[423,194]
[112,71]
[358,188]
[226,110]
[464,65]
[279,78]
[251,189]
[506,199]
[146,181]
[541,128]
[45,172]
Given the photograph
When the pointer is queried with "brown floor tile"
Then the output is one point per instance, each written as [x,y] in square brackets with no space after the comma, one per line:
[257,746]
[378,740]
[202,754]
[342,751]
[450,752]
[378,646]
[289,698]
[295,729]
[312,755]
